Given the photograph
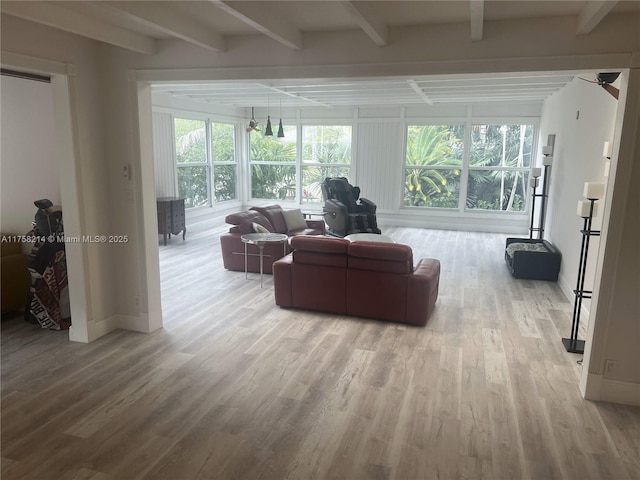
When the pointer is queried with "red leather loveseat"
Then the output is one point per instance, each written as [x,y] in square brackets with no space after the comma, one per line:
[365,279]
[274,219]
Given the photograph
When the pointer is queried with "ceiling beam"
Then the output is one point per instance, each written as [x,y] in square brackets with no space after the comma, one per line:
[173,22]
[367,21]
[592,14]
[264,21]
[57,16]
[476,10]
[419,91]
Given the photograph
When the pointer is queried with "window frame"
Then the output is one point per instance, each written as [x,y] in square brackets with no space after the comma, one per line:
[465,167]
[209,163]
[303,164]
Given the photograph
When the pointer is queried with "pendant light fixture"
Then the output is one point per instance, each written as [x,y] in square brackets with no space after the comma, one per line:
[268,132]
[253,125]
[280,129]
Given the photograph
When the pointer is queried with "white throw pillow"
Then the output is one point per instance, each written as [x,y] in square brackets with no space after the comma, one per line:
[259,228]
[294,219]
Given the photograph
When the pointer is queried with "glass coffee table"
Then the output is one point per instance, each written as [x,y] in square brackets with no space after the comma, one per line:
[261,239]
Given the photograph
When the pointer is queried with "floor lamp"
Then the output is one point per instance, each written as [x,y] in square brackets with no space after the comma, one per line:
[547,160]
[587,209]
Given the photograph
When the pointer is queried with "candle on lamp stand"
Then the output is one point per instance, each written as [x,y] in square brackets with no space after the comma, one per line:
[606,151]
[547,161]
[534,182]
[547,150]
[536,172]
[584,209]
[593,190]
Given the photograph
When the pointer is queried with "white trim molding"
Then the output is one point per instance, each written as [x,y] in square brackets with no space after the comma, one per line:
[602,389]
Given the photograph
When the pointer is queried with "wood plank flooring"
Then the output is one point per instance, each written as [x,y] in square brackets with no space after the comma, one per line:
[236,388]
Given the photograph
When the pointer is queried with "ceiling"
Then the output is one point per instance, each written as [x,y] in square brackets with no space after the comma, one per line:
[404,91]
[145,26]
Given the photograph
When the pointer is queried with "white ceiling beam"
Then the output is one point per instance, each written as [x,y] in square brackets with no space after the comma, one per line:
[264,21]
[173,22]
[368,22]
[419,91]
[296,96]
[476,10]
[57,16]
[592,14]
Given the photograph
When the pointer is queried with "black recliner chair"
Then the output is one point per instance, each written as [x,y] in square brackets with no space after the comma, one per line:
[344,212]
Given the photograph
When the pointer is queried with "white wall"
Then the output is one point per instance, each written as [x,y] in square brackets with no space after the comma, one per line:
[96,173]
[582,116]
[28,168]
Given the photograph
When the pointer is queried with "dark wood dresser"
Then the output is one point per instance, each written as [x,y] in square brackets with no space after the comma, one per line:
[171,217]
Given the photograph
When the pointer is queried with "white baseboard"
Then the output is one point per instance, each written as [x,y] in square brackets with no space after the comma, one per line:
[145,323]
[606,390]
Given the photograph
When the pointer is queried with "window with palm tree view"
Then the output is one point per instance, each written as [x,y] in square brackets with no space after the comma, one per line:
[205,175]
[273,165]
[495,172]
[324,151]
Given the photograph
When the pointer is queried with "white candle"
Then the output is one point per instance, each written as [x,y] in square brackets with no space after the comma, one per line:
[547,150]
[606,151]
[584,206]
[607,168]
[547,161]
[533,182]
[593,189]
[536,172]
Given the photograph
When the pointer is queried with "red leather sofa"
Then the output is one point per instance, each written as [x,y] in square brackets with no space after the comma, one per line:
[270,217]
[365,279]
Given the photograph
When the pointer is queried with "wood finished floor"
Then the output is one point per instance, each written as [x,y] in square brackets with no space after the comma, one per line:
[235,388]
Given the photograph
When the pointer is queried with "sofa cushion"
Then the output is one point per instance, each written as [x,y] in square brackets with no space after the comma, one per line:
[245,220]
[273,213]
[381,257]
[294,220]
[320,244]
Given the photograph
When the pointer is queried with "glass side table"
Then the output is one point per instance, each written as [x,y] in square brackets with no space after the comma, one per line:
[261,239]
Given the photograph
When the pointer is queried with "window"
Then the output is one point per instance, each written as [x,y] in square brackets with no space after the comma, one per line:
[326,152]
[205,174]
[225,166]
[191,160]
[432,165]
[499,164]
[273,165]
[491,174]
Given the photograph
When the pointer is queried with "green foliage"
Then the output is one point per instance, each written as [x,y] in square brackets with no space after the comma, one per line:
[191,141]
[326,144]
[192,184]
[191,148]
[434,146]
[273,181]
[223,142]
[499,146]
[224,182]
[277,181]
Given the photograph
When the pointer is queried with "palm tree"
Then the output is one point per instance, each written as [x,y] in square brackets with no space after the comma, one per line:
[275,181]
[432,145]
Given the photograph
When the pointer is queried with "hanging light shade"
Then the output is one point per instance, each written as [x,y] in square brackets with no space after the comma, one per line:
[280,129]
[268,132]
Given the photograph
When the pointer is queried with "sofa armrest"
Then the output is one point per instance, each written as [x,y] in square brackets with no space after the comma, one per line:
[422,291]
[316,225]
[282,283]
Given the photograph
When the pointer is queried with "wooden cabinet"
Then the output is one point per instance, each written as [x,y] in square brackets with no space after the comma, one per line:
[171,218]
